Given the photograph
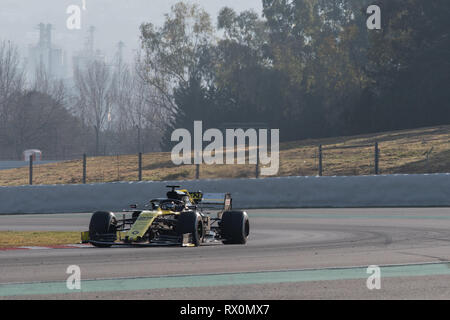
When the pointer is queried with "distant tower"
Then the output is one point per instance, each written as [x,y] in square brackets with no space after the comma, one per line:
[43,56]
[90,41]
[84,57]
[48,36]
[48,46]
[42,33]
[120,47]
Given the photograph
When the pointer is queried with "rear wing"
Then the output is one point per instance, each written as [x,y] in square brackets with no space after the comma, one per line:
[214,199]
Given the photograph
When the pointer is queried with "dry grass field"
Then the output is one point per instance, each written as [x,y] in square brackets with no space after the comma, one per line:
[29,238]
[400,152]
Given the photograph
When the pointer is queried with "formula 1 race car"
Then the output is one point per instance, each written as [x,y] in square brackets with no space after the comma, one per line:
[181,219]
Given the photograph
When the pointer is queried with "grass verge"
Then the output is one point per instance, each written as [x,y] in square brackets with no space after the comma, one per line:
[10,239]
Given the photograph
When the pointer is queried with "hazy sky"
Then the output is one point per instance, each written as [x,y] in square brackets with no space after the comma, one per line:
[114,20]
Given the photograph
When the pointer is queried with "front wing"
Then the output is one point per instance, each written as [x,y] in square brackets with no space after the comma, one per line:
[164,241]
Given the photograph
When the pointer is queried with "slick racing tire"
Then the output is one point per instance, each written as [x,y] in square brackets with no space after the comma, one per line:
[102,223]
[191,222]
[235,227]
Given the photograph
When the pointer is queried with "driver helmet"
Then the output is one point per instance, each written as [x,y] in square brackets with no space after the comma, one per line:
[169,205]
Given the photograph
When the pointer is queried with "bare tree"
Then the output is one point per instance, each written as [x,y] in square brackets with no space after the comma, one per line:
[49,85]
[95,94]
[138,111]
[38,121]
[143,112]
[12,76]
[12,80]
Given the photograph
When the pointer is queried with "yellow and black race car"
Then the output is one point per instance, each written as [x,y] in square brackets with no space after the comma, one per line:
[181,219]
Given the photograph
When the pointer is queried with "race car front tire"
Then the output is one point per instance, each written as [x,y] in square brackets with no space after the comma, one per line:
[191,223]
[102,223]
[235,227]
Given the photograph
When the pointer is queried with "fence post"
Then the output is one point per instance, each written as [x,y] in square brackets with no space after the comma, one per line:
[31,170]
[257,164]
[197,172]
[84,168]
[118,167]
[320,161]
[140,166]
[377,159]
[197,168]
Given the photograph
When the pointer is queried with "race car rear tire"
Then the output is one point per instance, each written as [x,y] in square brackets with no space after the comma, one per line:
[191,222]
[235,227]
[102,223]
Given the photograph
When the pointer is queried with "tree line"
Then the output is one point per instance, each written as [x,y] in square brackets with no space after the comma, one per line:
[106,109]
[310,68]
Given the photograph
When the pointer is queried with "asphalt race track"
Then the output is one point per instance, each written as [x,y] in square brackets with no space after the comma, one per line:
[291,254]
